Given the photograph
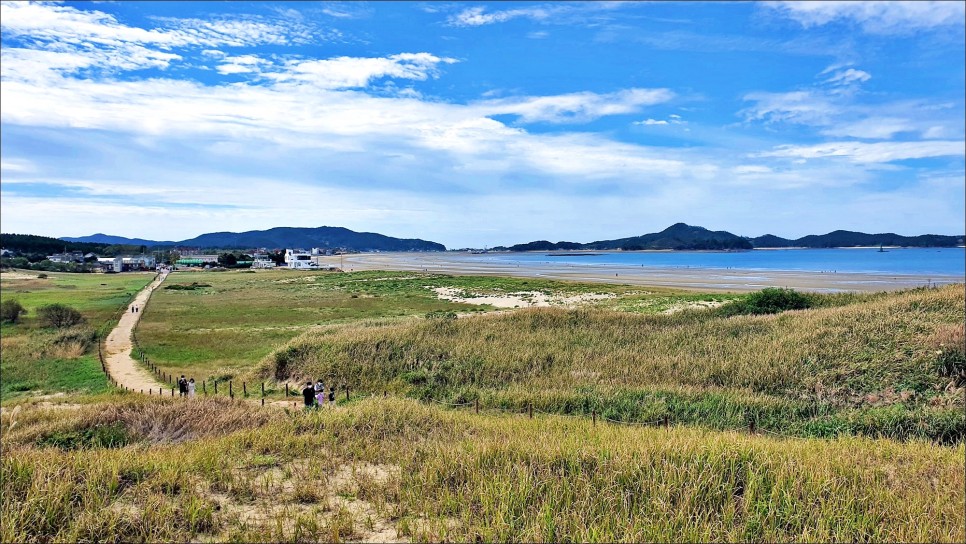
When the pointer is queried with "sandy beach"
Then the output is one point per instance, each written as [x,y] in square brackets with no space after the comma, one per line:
[697,279]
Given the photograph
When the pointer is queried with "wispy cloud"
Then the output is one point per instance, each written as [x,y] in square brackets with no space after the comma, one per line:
[885,17]
[477,16]
[878,152]
[576,107]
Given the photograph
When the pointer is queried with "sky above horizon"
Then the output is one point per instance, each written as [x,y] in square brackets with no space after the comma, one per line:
[481,124]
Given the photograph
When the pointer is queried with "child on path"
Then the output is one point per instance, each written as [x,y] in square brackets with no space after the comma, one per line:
[320,397]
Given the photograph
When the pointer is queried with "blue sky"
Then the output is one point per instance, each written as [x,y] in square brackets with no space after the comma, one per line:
[477,124]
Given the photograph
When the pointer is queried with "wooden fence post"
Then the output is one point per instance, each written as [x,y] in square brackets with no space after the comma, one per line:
[263,401]
[216,387]
[476,404]
[530,410]
[346,391]
[263,390]
[172,391]
[231,394]
[286,389]
[204,387]
[666,427]
[244,390]
[593,414]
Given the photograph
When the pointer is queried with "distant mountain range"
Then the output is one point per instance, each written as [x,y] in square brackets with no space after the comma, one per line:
[681,236]
[283,237]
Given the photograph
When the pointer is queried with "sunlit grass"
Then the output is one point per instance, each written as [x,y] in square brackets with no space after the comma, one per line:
[411,471]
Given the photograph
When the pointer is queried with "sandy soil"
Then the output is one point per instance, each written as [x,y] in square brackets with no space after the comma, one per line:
[117,346]
[19,276]
[523,299]
[703,279]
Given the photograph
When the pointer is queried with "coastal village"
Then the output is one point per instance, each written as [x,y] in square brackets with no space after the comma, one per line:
[294,259]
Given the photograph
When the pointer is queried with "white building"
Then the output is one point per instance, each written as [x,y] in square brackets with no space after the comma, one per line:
[297,259]
[261,260]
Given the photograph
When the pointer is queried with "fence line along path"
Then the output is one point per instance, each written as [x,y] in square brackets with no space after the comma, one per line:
[117,347]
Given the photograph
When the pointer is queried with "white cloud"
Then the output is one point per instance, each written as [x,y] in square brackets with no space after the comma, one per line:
[887,17]
[476,16]
[575,107]
[804,107]
[649,122]
[349,72]
[878,152]
[879,128]
[848,77]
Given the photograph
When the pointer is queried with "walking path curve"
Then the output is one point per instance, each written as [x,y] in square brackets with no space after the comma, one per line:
[117,347]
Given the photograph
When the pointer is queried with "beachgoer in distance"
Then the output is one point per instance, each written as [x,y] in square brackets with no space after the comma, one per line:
[191,387]
[308,395]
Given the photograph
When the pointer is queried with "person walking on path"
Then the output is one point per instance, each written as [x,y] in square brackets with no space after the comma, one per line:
[191,388]
[182,386]
[308,394]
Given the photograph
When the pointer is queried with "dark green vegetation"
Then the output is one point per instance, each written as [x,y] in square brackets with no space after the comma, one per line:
[11,310]
[58,316]
[874,364]
[187,286]
[29,245]
[686,237]
[385,469]
[53,348]
[771,300]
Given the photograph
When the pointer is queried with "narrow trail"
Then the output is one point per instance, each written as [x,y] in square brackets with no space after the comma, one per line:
[118,344]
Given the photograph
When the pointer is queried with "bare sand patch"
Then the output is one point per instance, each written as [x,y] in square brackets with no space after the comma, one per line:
[519,299]
[693,305]
[17,276]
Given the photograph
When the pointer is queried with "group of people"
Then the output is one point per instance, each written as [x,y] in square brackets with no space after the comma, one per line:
[186,388]
[315,395]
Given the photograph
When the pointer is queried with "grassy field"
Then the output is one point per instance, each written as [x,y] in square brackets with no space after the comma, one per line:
[868,365]
[862,387]
[36,360]
[231,320]
[393,469]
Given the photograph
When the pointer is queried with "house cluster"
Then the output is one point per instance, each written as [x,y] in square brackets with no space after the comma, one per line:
[121,263]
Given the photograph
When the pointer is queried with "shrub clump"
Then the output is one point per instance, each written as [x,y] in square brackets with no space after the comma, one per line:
[59,316]
[11,310]
[187,286]
[772,300]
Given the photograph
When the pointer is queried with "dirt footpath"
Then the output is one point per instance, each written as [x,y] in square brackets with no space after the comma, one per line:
[117,347]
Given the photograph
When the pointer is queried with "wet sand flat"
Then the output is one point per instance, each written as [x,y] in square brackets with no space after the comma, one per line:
[690,278]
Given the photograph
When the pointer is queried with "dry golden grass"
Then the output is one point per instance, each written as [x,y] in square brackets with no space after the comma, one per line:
[387,469]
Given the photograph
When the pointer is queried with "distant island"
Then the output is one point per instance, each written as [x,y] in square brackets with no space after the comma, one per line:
[280,237]
[681,236]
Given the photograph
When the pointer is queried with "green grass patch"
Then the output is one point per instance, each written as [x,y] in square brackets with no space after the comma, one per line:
[47,376]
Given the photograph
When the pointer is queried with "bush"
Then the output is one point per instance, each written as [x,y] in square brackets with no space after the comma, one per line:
[11,310]
[767,301]
[59,316]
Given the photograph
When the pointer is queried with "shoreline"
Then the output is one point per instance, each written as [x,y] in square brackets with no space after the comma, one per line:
[690,278]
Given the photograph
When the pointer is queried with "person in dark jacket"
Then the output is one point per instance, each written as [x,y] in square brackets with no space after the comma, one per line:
[308,394]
